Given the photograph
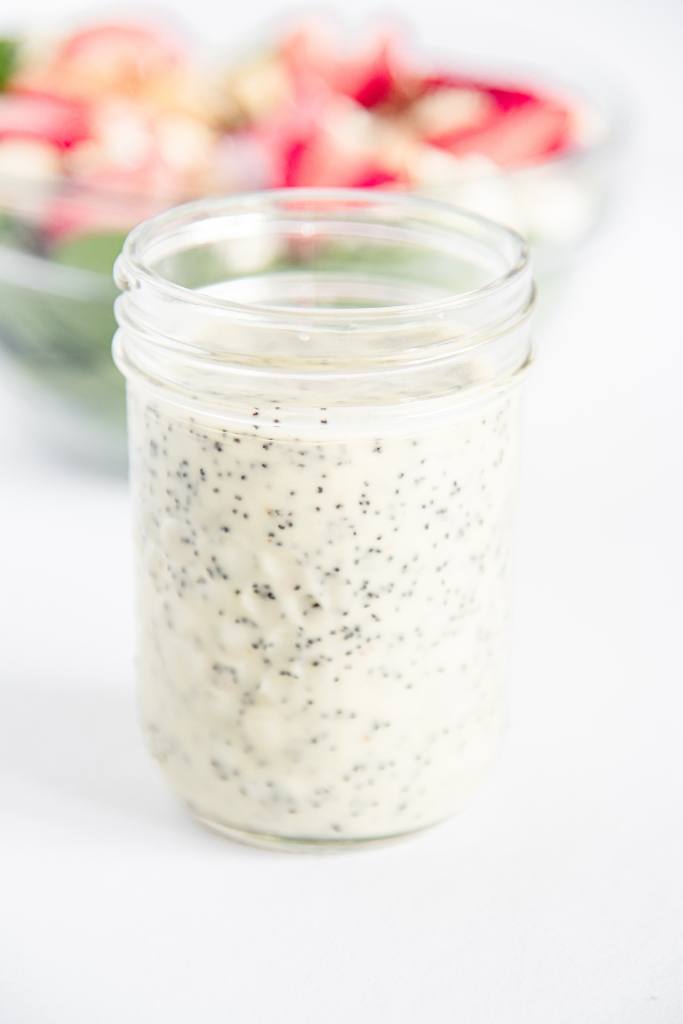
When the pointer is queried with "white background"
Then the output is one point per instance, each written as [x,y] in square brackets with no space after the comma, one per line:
[557,896]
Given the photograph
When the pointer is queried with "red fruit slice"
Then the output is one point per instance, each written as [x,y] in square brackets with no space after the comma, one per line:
[371,80]
[526,133]
[370,76]
[374,176]
[35,115]
[282,141]
[509,99]
[293,155]
[314,156]
[320,163]
[123,43]
[310,53]
[505,97]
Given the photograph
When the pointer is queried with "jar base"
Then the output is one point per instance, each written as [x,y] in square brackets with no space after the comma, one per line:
[267,841]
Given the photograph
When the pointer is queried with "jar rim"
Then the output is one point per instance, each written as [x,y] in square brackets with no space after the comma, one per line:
[133,269]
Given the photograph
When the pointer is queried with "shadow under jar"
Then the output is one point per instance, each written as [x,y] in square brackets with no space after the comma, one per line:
[323,392]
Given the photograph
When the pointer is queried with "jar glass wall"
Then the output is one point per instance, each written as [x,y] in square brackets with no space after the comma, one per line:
[323,399]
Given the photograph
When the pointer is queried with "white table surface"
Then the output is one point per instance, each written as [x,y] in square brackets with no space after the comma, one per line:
[557,896]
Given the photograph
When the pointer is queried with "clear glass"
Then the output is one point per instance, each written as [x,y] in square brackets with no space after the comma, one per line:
[323,395]
[56,310]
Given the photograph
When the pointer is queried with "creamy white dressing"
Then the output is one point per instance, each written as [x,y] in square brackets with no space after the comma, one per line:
[321,620]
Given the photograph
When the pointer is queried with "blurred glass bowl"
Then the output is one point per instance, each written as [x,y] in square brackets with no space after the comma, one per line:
[56,318]
[56,314]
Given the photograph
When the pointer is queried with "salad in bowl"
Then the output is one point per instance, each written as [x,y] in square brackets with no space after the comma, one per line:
[116,121]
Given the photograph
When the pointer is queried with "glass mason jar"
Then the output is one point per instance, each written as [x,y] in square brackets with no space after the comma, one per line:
[323,393]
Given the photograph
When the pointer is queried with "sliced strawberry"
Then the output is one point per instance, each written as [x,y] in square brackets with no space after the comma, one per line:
[370,76]
[312,155]
[371,79]
[448,80]
[318,161]
[375,176]
[521,125]
[310,54]
[34,115]
[524,134]
[321,161]
[505,97]
[282,140]
[328,140]
[293,155]
[510,99]
[123,44]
